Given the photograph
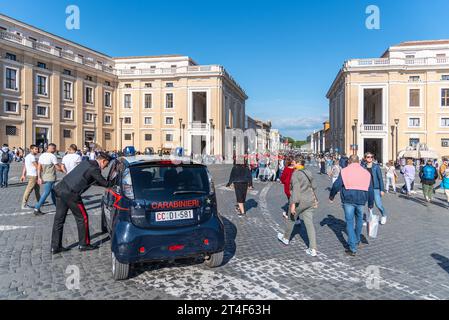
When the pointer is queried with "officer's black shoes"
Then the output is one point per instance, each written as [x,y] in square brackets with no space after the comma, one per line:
[58,250]
[38,212]
[350,253]
[87,248]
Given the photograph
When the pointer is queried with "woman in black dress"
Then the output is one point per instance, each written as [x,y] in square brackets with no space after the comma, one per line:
[242,180]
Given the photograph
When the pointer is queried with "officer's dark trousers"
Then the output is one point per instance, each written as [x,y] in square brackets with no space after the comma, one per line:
[64,202]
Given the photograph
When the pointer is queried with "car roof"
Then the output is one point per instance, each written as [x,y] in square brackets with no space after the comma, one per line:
[154,159]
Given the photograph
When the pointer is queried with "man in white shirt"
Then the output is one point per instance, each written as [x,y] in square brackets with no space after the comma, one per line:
[46,175]
[71,159]
[30,172]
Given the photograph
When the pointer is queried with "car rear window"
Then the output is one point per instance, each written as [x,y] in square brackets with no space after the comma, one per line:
[161,182]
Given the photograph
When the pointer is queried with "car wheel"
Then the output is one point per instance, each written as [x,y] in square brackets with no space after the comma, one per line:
[120,271]
[104,225]
[214,260]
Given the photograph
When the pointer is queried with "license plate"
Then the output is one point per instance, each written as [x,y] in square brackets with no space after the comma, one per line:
[174,215]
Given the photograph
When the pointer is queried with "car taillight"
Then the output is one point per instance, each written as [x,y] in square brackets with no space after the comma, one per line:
[176,248]
[127,185]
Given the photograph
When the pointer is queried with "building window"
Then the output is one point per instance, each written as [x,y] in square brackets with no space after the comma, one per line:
[127,136]
[169,120]
[128,85]
[414,98]
[89,78]
[42,111]
[67,72]
[148,101]
[169,101]
[67,133]
[11,131]
[148,137]
[127,103]
[445,77]
[11,79]
[148,120]
[148,85]
[444,122]
[169,85]
[89,95]
[68,92]
[107,83]
[445,97]
[413,142]
[42,65]
[414,78]
[42,85]
[68,114]
[445,143]
[169,137]
[11,107]
[414,122]
[11,56]
[89,117]
[107,119]
[128,120]
[107,99]
[107,136]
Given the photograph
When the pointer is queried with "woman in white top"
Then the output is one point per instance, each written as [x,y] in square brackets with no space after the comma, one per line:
[391,176]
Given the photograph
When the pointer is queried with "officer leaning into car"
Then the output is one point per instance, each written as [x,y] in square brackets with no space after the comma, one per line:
[68,196]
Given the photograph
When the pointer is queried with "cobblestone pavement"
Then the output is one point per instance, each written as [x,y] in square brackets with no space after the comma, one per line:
[411,254]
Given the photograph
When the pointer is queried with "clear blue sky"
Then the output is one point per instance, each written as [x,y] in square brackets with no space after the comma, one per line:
[284,53]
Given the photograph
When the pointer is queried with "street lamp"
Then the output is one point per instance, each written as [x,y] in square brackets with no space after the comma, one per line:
[183,130]
[180,132]
[95,129]
[356,147]
[396,122]
[121,134]
[392,142]
[25,108]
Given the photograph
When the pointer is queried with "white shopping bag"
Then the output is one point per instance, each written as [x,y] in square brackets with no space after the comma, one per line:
[373,224]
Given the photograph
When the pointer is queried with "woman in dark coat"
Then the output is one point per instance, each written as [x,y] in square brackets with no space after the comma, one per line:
[242,180]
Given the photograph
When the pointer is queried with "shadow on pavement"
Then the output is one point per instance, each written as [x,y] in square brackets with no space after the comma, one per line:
[338,226]
[423,202]
[251,204]
[443,261]
[229,253]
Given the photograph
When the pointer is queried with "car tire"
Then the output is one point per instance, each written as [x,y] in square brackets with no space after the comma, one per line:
[104,226]
[214,260]
[120,271]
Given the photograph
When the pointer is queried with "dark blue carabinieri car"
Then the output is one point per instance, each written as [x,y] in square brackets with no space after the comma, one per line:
[161,209]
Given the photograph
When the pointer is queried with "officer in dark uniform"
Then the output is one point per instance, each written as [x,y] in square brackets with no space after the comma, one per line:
[68,196]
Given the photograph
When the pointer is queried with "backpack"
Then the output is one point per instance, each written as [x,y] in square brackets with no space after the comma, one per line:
[428,173]
[5,157]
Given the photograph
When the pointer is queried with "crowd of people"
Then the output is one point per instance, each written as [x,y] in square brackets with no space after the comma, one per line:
[361,183]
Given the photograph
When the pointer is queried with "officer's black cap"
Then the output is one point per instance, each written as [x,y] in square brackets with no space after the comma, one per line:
[105,156]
